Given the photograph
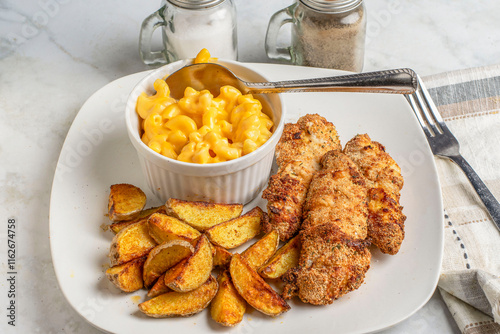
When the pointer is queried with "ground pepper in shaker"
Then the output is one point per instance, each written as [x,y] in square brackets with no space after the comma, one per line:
[325,33]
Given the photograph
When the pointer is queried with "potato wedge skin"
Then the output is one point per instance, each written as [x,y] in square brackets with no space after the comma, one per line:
[145,214]
[254,289]
[222,256]
[131,243]
[159,288]
[237,231]
[128,276]
[262,250]
[163,257]
[202,215]
[118,226]
[166,228]
[125,202]
[228,307]
[195,271]
[284,259]
[181,304]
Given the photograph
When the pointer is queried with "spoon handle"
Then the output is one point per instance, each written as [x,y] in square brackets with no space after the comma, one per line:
[396,81]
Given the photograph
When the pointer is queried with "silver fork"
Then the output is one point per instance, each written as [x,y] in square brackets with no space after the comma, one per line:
[444,144]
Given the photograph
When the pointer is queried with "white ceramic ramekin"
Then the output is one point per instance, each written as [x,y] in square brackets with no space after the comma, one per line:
[235,181]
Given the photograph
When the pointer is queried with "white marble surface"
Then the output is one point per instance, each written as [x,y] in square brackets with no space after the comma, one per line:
[54,54]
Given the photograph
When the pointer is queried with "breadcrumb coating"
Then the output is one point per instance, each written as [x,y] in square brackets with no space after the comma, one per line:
[298,156]
[384,180]
[334,256]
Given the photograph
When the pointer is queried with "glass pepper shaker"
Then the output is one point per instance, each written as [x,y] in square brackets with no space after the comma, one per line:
[325,33]
[189,26]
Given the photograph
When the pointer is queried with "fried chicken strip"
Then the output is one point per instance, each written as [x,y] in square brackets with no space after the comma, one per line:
[298,155]
[384,180]
[331,265]
[337,195]
[334,256]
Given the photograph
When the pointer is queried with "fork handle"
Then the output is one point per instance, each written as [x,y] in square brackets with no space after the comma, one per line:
[484,193]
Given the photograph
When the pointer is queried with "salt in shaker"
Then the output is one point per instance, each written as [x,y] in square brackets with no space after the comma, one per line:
[189,26]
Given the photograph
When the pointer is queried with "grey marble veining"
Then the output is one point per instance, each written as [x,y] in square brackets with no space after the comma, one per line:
[54,54]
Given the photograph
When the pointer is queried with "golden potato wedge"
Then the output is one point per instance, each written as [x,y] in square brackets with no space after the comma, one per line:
[222,256]
[202,215]
[128,276]
[228,307]
[237,231]
[159,288]
[166,228]
[195,271]
[254,289]
[146,213]
[131,243]
[284,259]
[173,272]
[125,202]
[261,251]
[118,226]
[163,257]
[181,304]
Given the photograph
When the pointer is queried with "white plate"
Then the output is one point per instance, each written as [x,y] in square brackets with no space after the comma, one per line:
[97,153]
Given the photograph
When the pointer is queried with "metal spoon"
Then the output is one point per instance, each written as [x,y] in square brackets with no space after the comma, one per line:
[213,76]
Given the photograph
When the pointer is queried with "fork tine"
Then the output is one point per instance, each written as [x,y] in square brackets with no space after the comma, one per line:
[430,103]
[424,112]
[418,113]
[433,124]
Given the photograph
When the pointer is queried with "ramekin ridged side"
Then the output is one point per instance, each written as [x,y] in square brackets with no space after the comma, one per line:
[238,187]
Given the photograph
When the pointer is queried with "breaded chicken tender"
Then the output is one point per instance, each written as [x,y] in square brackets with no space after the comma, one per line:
[298,155]
[331,264]
[337,194]
[334,256]
[384,180]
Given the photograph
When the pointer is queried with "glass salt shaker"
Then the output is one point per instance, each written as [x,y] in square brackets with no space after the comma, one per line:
[189,26]
[325,33]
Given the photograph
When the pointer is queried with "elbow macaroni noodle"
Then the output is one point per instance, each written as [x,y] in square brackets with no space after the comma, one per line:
[201,128]
[204,57]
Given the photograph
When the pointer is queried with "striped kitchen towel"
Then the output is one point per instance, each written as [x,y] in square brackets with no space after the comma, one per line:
[469,101]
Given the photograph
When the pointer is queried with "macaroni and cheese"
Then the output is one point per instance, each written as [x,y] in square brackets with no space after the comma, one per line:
[201,128]
[204,57]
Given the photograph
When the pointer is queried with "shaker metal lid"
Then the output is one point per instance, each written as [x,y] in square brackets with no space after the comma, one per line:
[334,6]
[195,4]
